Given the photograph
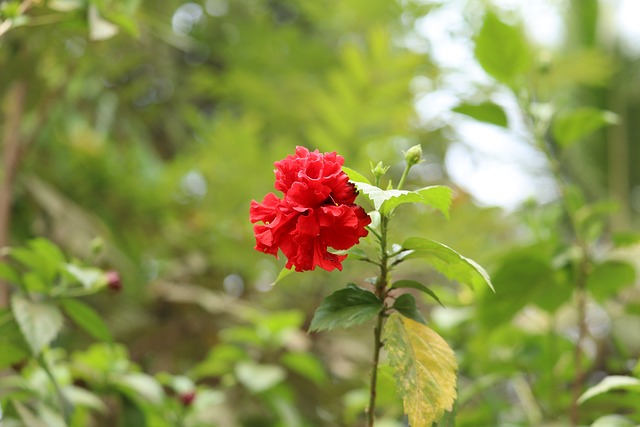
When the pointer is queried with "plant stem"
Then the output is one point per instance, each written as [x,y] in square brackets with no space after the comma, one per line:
[381,290]
[581,266]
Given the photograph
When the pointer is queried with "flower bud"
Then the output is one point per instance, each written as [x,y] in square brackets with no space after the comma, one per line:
[413,156]
[379,170]
[187,398]
[113,280]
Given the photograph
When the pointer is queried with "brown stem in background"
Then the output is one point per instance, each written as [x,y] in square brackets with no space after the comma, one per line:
[11,158]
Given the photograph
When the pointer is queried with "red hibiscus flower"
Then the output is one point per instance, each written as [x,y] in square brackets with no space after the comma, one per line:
[317,212]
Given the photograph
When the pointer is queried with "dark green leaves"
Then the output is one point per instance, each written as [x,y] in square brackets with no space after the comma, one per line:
[577,124]
[385,201]
[412,284]
[487,112]
[405,304]
[502,49]
[345,308]
[447,261]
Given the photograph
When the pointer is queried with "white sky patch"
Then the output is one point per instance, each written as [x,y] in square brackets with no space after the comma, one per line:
[496,167]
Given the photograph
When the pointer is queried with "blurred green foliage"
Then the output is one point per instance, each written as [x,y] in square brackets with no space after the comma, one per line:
[153,124]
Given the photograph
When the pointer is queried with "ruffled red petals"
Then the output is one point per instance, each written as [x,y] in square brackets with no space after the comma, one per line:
[317,212]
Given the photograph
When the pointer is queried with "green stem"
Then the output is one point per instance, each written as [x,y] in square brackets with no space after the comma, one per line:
[65,405]
[403,178]
[381,290]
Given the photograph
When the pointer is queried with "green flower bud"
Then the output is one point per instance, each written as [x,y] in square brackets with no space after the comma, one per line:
[379,170]
[413,156]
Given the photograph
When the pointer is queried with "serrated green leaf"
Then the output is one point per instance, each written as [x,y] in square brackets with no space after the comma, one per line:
[425,369]
[345,308]
[39,322]
[355,175]
[86,318]
[416,285]
[487,112]
[405,304]
[613,382]
[577,124]
[448,262]
[502,49]
[439,197]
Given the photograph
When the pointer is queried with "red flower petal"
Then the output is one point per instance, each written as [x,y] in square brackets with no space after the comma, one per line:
[316,212]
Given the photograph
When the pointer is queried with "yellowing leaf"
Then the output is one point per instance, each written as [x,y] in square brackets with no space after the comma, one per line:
[425,369]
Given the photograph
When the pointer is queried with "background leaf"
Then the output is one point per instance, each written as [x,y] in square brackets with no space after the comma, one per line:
[487,112]
[425,369]
[86,318]
[345,308]
[39,322]
[613,382]
[570,127]
[502,49]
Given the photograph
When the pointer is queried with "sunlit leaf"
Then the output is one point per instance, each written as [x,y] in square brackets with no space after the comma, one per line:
[100,28]
[412,284]
[425,369]
[613,421]
[345,308]
[447,261]
[66,5]
[258,378]
[89,277]
[28,418]
[487,112]
[405,304]
[577,124]
[141,385]
[439,197]
[502,49]
[39,322]
[613,382]
[86,318]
